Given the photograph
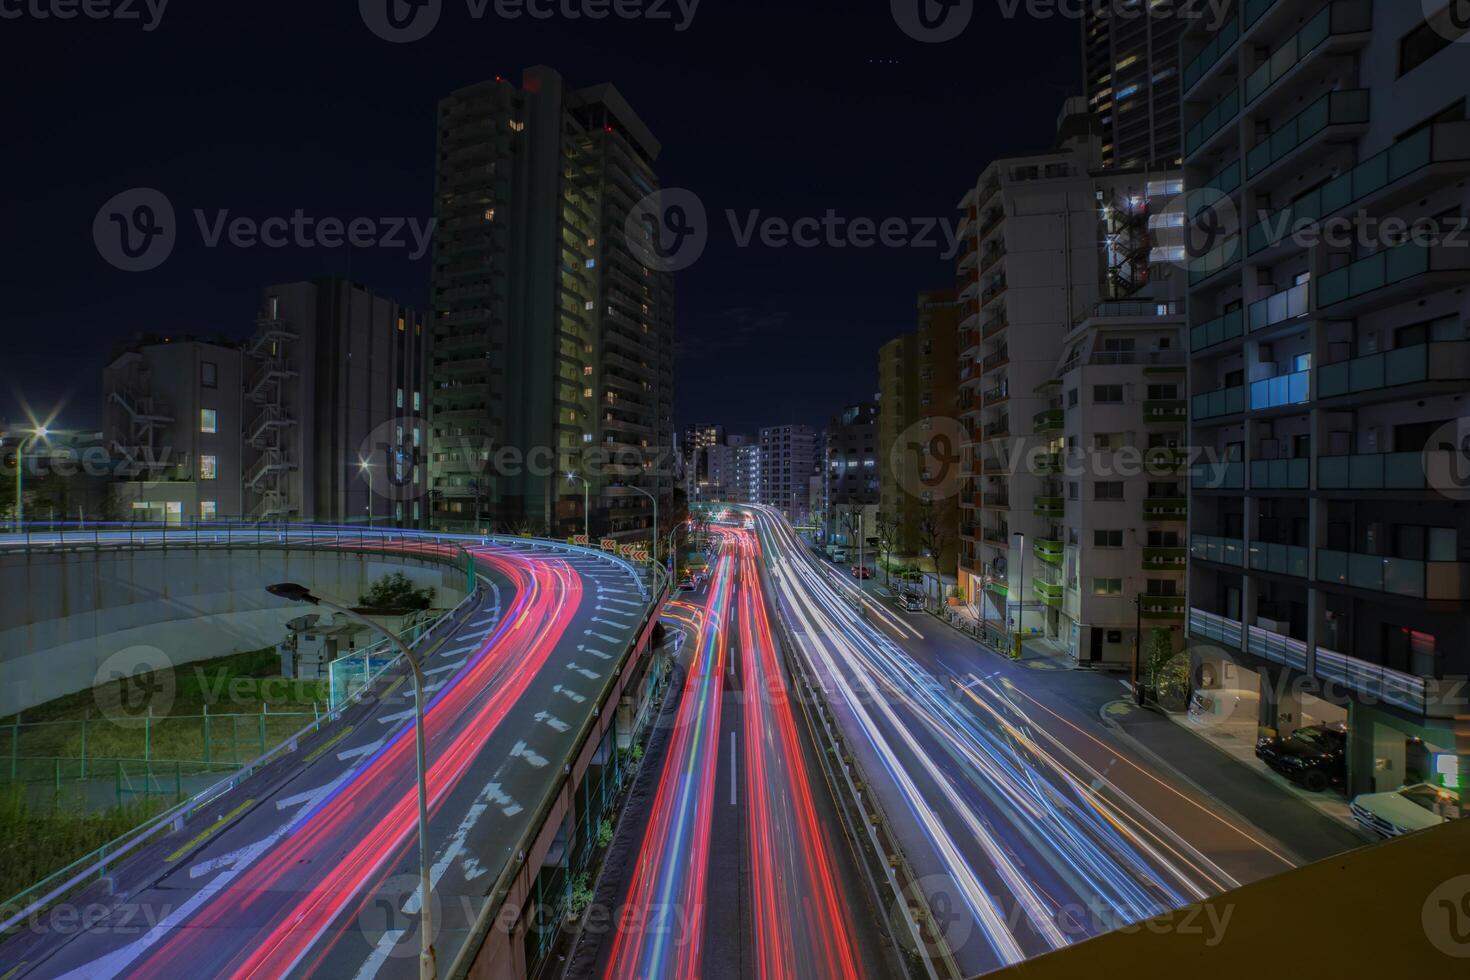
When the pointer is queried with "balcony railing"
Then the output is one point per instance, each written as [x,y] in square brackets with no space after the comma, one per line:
[1337,18]
[1049,550]
[1272,646]
[1165,410]
[1165,559]
[1254,10]
[1050,593]
[1216,118]
[1049,420]
[1165,509]
[1388,267]
[1161,606]
[1288,304]
[1434,580]
[1222,257]
[1288,389]
[1333,109]
[1383,471]
[1383,683]
[1281,474]
[1442,361]
[1208,626]
[1211,53]
[1282,559]
[1048,463]
[1048,506]
[1217,331]
[1223,401]
[1221,551]
[1223,475]
[1433,144]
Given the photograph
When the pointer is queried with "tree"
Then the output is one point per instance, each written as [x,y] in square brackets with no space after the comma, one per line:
[934,535]
[396,592]
[886,530]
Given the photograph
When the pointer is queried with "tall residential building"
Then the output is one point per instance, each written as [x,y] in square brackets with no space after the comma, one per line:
[788,461]
[699,448]
[918,378]
[553,328]
[850,474]
[745,478]
[336,406]
[1130,66]
[1330,545]
[172,417]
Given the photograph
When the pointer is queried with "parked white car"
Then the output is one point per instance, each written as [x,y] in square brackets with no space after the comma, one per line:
[1406,809]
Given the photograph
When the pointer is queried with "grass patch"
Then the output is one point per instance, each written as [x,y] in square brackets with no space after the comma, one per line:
[36,843]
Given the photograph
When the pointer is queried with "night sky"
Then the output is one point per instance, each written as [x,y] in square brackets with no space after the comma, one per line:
[786,108]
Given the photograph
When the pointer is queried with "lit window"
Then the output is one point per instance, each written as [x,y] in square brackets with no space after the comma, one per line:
[489,214]
[208,467]
[400,398]
[418,400]
[208,374]
[208,420]
[208,510]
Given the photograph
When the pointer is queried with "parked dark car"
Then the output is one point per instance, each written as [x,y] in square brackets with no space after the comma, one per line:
[1315,756]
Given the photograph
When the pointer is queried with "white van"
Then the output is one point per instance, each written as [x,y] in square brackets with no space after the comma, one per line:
[839,555]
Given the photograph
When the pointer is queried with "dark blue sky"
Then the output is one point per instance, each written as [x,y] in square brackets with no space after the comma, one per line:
[788,109]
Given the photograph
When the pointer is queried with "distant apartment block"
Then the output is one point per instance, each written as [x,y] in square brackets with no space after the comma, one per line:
[788,461]
[336,406]
[1329,544]
[1130,65]
[553,328]
[850,475]
[172,420]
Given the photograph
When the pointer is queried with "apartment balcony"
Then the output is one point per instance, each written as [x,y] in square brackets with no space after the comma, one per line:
[1281,474]
[1212,123]
[1165,559]
[1345,111]
[1050,593]
[1434,581]
[995,324]
[1048,463]
[1428,155]
[1209,626]
[1050,420]
[1280,392]
[1288,304]
[1164,460]
[1390,276]
[1226,475]
[1338,27]
[1426,696]
[998,359]
[1049,550]
[998,537]
[990,257]
[1165,509]
[1221,551]
[1166,410]
[1276,647]
[1217,331]
[1279,559]
[1386,471]
[1220,259]
[1161,606]
[990,221]
[1051,507]
[1210,55]
[1442,361]
[1000,429]
[998,501]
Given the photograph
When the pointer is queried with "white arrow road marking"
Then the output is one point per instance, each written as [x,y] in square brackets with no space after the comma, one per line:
[520,750]
[553,721]
[312,795]
[609,622]
[614,612]
[396,718]
[362,750]
[623,602]
[380,954]
[601,636]
[596,653]
[591,675]
[569,693]
[446,668]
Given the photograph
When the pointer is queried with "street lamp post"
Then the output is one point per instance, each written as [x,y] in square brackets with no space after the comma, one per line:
[586,506]
[428,966]
[1137,645]
[366,468]
[1021,590]
[629,486]
[20,472]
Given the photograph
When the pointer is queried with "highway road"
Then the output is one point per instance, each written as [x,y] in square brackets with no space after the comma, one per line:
[743,869]
[310,866]
[1028,832]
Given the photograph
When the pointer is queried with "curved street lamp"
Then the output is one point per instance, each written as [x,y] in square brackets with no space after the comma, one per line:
[40,432]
